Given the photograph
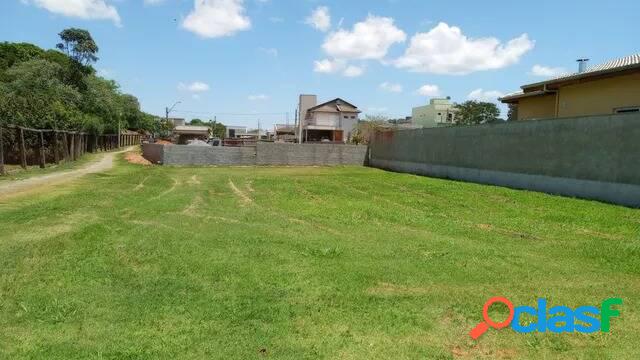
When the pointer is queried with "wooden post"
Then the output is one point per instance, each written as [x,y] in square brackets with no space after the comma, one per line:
[56,156]
[72,149]
[43,160]
[65,146]
[1,153]
[23,151]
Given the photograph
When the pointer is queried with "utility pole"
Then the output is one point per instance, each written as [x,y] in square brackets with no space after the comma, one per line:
[169,110]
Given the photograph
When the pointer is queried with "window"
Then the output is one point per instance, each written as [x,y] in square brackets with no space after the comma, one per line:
[346,117]
[353,117]
[626,110]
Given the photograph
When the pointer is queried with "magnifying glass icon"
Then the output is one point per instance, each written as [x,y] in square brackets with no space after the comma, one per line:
[484,326]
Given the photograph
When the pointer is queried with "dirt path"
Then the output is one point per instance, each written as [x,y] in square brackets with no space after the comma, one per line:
[14,188]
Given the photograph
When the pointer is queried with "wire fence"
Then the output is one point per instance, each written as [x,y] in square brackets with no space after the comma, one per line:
[23,146]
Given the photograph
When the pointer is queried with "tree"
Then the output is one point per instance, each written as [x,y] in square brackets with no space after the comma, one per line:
[367,128]
[476,112]
[59,89]
[102,99]
[218,130]
[513,112]
[198,122]
[35,95]
[78,45]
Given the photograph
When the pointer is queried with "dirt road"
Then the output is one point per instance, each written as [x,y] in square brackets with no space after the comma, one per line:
[14,188]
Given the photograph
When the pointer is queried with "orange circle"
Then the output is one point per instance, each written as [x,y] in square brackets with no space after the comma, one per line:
[485,312]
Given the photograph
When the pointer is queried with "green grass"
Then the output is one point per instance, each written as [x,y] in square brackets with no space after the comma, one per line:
[304,263]
[15,172]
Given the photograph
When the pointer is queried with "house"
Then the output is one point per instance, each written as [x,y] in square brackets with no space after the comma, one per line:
[609,88]
[332,121]
[182,134]
[439,112]
[284,132]
[233,132]
[177,121]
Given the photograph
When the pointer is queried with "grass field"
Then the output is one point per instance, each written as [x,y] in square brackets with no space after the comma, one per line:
[15,172]
[303,263]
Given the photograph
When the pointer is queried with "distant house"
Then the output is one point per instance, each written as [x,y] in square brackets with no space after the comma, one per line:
[284,133]
[233,132]
[609,88]
[439,112]
[182,134]
[178,121]
[332,121]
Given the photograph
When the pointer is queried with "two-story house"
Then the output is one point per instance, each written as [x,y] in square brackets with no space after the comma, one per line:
[332,121]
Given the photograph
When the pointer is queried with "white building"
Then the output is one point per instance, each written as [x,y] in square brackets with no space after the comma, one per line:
[332,121]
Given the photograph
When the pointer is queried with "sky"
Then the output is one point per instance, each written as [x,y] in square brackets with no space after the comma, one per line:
[246,62]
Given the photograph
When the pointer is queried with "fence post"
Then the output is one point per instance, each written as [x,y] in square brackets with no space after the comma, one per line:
[72,150]
[1,153]
[43,161]
[65,146]
[23,151]
[56,156]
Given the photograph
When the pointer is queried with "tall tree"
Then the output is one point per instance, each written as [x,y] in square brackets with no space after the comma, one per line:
[476,112]
[79,45]
[36,95]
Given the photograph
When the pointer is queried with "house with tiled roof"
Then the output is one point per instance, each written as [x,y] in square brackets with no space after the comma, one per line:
[332,121]
[609,88]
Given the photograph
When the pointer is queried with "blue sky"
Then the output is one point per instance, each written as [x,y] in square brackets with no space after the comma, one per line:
[247,61]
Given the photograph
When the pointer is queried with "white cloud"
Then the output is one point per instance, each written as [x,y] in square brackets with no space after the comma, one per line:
[485,95]
[217,18]
[546,71]
[429,90]
[153,2]
[320,19]
[258,97]
[353,71]
[195,87]
[389,87]
[83,9]
[369,39]
[446,50]
[328,66]
[195,97]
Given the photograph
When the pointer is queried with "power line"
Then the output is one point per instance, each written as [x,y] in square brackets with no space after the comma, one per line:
[227,114]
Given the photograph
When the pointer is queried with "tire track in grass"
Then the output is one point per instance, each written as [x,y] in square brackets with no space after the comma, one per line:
[244,198]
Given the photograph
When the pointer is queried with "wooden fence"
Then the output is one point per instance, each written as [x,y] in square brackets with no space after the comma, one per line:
[26,146]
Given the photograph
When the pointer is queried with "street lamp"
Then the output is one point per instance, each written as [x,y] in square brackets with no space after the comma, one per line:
[169,110]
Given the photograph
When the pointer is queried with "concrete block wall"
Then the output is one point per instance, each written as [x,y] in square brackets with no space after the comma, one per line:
[208,155]
[594,157]
[310,154]
[262,154]
[153,152]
